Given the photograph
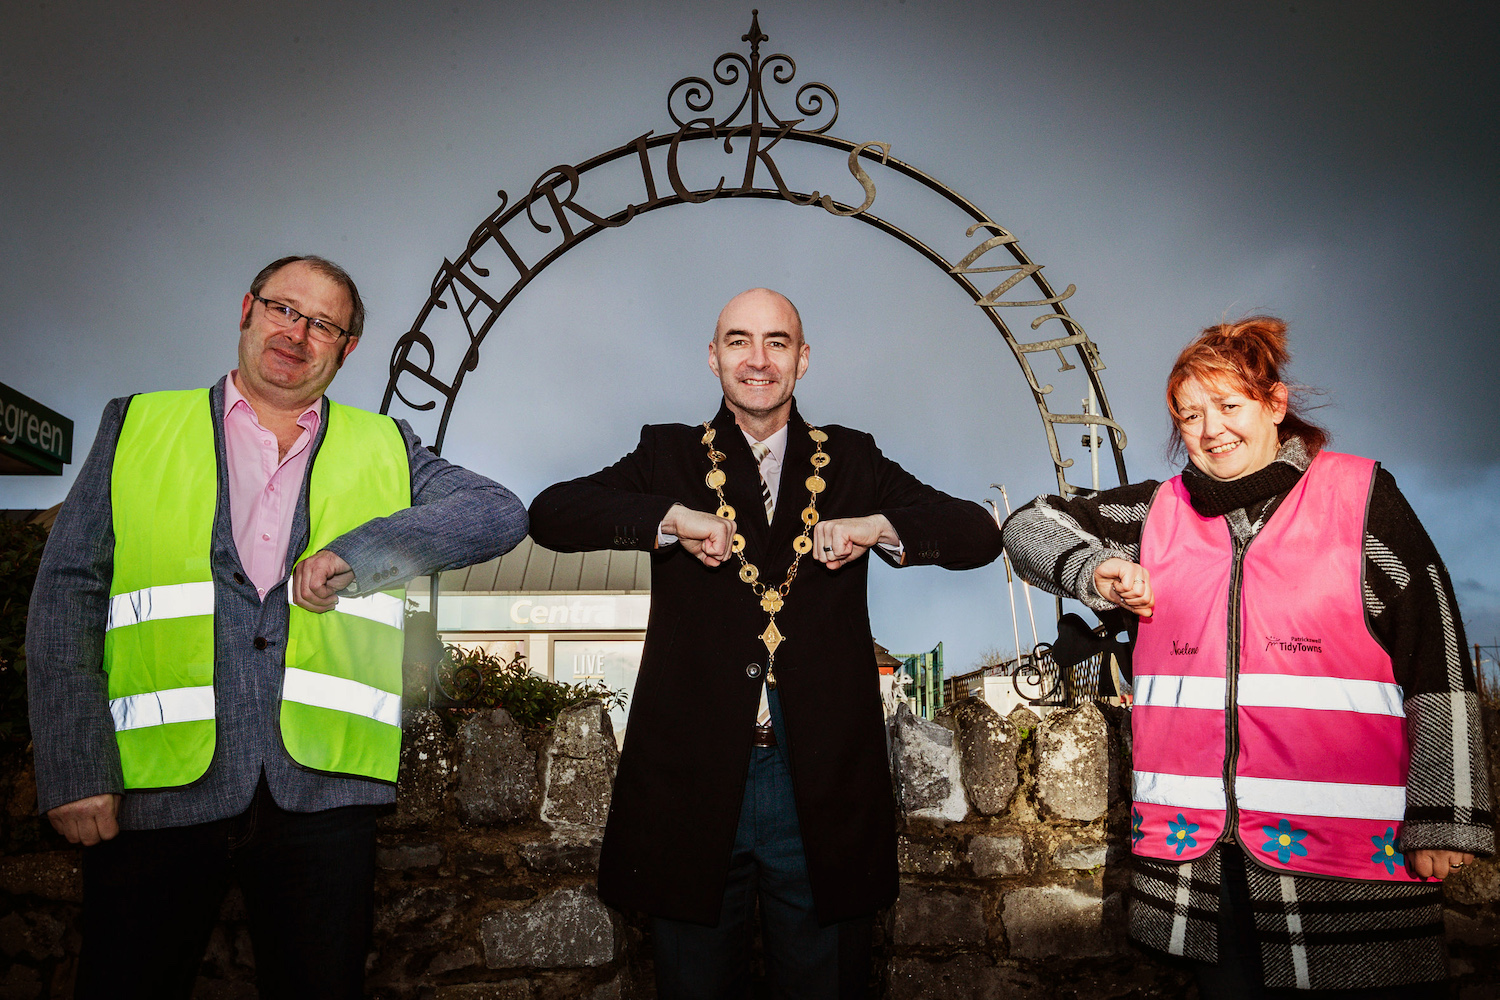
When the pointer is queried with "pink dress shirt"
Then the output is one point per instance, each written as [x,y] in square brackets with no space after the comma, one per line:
[263,489]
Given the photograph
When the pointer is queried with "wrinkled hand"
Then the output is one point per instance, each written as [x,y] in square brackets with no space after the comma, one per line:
[1126,584]
[1430,863]
[317,580]
[845,539]
[87,821]
[707,536]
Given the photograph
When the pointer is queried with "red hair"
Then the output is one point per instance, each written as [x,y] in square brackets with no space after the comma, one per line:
[1245,357]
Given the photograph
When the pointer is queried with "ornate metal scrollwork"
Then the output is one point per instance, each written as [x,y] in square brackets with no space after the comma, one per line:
[1058,686]
[696,95]
[469,679]
[502,257]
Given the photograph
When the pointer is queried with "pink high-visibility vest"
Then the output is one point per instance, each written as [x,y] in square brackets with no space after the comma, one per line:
[1305,732]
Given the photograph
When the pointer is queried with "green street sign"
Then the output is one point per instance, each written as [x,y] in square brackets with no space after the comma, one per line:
[34,441]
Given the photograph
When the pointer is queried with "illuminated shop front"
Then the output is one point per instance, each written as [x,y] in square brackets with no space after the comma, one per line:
[576,617]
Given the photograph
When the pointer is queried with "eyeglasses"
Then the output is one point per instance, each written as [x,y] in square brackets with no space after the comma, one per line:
[284,315]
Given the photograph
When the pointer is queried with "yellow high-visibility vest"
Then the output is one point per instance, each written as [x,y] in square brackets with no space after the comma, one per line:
[341,697]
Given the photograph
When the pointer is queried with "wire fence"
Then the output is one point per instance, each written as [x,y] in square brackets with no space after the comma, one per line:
[1054,684]
[1037,679]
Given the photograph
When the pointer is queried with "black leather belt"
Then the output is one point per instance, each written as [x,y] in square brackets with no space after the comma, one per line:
[765,736]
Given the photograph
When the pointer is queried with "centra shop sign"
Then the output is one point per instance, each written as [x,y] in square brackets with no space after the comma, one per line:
[33,439]
[539,612]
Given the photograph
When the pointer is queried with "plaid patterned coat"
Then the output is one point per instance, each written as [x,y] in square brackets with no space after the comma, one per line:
[1314,933]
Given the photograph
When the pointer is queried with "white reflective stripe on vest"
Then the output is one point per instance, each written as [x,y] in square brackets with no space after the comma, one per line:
[1186,791]
[177,600]
[378,607]
[1329,694]
[1177,691]
[160,708]
[308,687]
[1333,799]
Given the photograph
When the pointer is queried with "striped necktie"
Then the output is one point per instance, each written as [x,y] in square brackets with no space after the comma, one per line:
[762,452]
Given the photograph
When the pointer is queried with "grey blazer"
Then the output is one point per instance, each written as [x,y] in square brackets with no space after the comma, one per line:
[456,518]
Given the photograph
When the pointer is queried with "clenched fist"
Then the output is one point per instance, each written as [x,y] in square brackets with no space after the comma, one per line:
[1126,584]
[707,536]
[317,580]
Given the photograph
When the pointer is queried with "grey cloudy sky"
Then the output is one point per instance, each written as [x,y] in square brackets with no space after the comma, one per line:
[1178,162]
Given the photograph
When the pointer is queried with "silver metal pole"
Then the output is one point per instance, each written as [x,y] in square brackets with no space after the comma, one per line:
[1091,407]
[434,583]
[1015,625]
[1025,587]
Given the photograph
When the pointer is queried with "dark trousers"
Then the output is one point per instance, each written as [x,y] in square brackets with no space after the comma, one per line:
[151,899]
[1239,975]
[803,960]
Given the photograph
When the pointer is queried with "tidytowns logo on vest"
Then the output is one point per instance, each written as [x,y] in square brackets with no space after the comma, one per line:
[1296,644]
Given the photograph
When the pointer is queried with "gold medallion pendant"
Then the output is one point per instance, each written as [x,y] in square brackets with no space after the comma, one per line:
[772,637]
[772,599]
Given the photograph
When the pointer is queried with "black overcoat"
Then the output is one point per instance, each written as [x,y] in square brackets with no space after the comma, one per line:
[682,771]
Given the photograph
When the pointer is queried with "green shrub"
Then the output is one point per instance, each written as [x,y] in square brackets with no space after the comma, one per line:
[475,678]
[20,555]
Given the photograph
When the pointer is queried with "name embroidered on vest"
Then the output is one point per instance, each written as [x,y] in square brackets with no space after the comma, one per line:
[1263,669]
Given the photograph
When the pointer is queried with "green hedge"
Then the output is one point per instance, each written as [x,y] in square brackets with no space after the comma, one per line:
[473,678]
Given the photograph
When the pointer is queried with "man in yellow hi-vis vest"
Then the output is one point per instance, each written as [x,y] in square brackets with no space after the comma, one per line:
[214,651]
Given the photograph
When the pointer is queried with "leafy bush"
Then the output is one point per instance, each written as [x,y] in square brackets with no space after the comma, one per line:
[476,678]
[20,556]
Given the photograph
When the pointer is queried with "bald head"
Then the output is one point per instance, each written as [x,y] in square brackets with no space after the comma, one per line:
[758,355]
[766,308]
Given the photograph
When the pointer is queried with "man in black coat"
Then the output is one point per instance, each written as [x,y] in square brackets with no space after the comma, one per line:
[755,758]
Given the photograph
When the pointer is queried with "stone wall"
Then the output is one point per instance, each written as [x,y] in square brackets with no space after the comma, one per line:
[1012,856]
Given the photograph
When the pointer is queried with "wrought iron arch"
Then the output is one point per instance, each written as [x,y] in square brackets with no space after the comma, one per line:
[464,285]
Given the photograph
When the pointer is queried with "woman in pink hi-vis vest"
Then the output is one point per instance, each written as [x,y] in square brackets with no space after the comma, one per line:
[1308,757]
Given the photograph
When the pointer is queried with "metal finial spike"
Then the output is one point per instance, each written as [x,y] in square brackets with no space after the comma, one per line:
[755,36]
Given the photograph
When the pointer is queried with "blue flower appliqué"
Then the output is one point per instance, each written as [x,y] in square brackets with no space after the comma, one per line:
[1136,834]
[1386,853]
[1182,833]
[1284,841]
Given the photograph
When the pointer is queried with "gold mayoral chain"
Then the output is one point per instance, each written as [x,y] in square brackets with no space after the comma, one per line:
[771,598]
